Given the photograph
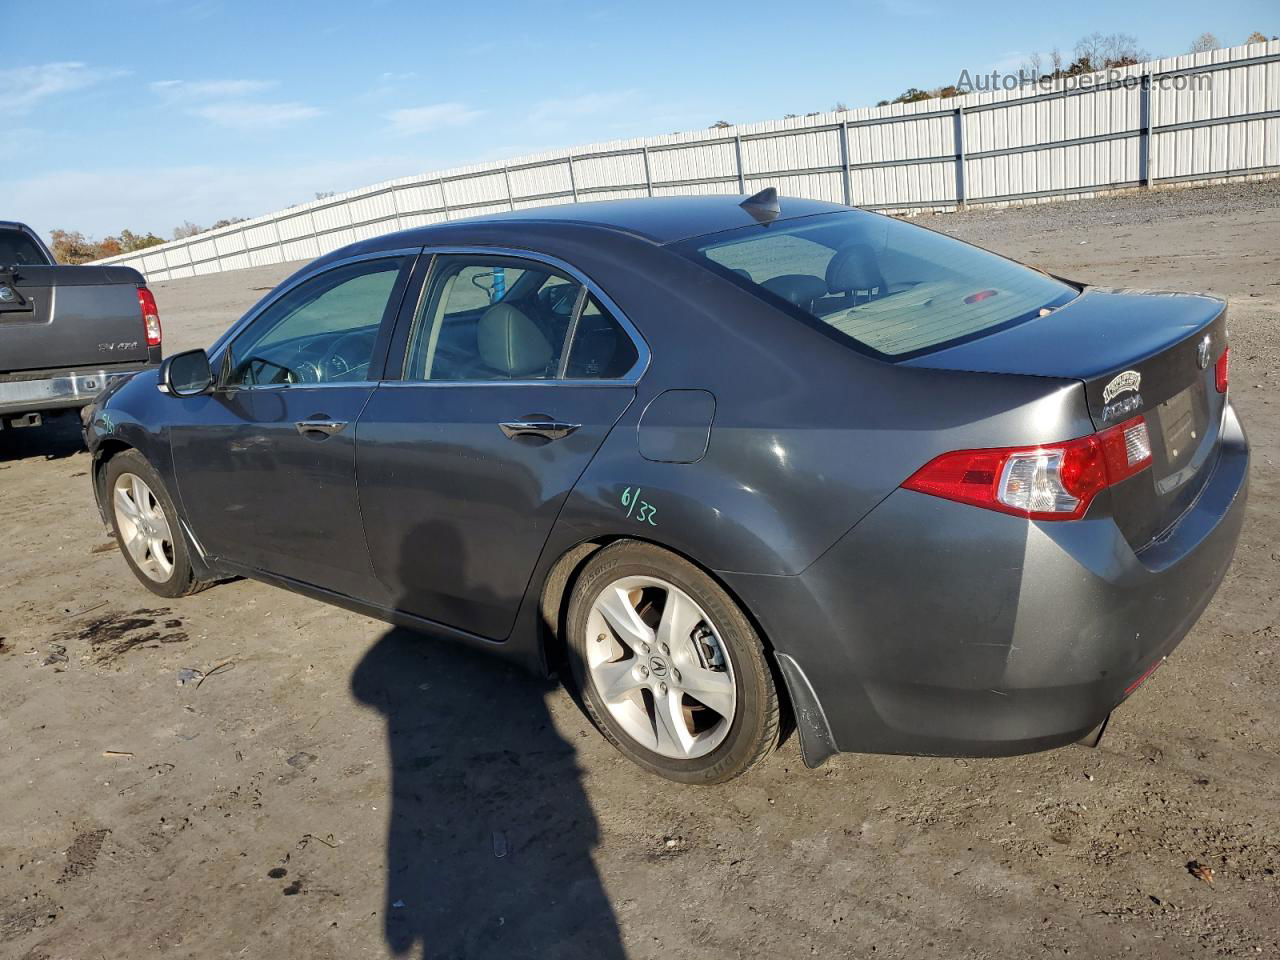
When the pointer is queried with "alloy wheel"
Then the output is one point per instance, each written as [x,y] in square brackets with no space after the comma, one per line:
[656,661]
[144,529]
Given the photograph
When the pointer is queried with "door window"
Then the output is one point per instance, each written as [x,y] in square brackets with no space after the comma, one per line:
[487,318]
[601,349]
[322,331]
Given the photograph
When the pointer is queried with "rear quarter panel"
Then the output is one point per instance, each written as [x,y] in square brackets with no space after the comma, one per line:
[808,435]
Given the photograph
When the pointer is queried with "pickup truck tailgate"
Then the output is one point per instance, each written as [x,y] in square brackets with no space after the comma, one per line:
[71,316]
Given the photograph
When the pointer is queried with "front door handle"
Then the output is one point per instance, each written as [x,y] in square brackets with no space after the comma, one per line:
[317,425]
[548,429]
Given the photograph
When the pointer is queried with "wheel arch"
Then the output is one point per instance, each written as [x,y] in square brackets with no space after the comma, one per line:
[557,590]
[106,450]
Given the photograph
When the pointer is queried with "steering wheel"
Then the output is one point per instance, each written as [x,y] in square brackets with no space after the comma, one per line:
[336,365]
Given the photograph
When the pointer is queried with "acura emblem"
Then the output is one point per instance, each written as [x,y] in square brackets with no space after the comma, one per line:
[1202,352]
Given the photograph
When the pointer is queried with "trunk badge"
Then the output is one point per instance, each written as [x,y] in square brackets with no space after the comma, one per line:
[1129,380]
[1202,352]
[6,294]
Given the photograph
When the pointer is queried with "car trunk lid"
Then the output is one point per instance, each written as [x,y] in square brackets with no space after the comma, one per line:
[69,316]
[1137,353]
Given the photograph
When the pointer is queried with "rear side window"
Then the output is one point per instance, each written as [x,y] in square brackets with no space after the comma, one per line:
[18,248]
[892,287]
[493,318]
[602,350]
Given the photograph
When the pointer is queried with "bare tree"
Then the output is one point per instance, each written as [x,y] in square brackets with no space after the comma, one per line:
[1055,60]
[1098,51]
[1256,37]
[1031,66]
[842,107]
[720,125]
[186,229]
[325,194]
[1204,43]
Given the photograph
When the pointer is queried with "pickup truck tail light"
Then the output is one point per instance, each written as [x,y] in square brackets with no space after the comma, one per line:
[1221,375]
[1055,481]
[150,316]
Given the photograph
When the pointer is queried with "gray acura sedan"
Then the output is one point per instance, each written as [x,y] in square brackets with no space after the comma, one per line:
[741,464]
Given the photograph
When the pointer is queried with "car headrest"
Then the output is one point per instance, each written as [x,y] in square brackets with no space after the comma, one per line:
[797,288]
[854,268]
[511,343]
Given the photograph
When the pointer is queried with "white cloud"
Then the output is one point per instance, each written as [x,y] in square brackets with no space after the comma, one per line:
[562,109]
[230,103]
[103,201]
[209,89]
[246,115]
[414,120]
[22,88]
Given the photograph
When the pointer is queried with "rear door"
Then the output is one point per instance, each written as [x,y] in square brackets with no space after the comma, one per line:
[515,370]
[60,317]
[266,463]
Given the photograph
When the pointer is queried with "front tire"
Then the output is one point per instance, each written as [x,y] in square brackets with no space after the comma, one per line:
[668,667]
[145,523]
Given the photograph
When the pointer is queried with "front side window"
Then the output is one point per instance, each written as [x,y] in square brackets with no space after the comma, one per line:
[890,286]
[322,331]
[494,318]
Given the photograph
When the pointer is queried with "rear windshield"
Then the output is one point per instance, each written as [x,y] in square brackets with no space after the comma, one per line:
[16,247]
[892,287]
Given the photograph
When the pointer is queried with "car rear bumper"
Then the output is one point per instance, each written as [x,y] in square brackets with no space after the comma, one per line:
[938,628]
[61,389]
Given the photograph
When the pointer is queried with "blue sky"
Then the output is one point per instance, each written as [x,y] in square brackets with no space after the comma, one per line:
[147,113]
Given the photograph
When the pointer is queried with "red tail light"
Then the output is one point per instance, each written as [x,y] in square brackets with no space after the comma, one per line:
[1056,481]
[150,317]
[1221,375]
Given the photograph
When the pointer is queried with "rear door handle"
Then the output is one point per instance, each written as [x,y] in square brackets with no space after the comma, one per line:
[550,429]
[320,426]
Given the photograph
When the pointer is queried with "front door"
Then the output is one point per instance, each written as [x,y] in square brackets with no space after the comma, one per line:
[514,374]
[265,464]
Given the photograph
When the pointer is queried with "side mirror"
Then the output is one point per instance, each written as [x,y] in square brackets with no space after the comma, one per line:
[186,374]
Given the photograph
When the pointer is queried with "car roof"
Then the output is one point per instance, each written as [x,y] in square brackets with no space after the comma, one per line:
[658,219]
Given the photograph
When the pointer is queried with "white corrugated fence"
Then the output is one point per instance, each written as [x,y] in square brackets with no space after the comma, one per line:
[1197,117]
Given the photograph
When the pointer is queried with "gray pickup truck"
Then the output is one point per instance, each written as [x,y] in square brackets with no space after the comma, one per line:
[66,332]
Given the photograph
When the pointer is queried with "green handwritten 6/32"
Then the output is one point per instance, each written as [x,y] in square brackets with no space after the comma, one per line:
[637,509]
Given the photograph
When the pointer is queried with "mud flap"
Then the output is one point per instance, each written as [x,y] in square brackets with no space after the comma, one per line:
[817,745]
[1094,736]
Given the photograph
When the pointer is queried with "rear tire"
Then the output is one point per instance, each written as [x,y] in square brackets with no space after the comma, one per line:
[145,523]
[668,667]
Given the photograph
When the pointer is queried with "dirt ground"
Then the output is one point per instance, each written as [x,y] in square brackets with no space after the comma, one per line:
[336,789]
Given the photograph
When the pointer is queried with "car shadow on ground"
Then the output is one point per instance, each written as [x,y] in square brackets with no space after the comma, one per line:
[489,847]
[57,438]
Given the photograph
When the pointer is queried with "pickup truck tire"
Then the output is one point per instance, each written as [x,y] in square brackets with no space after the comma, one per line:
[146,527]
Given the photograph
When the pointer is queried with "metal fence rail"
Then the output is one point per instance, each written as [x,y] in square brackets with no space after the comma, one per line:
[1196,117]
